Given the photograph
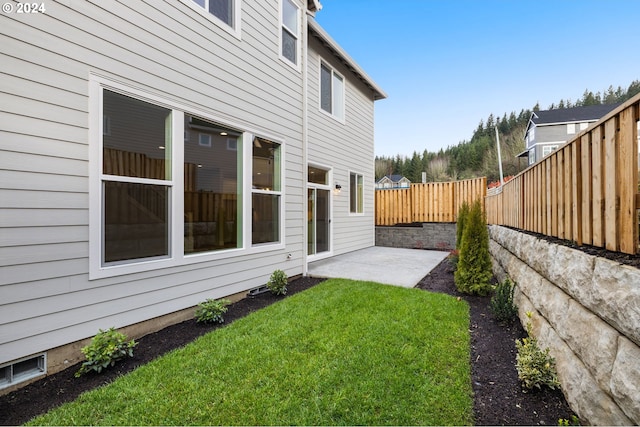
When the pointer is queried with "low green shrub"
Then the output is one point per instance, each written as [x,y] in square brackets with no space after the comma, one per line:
[105,349]
[212,311]
[536,368]
[501,305]
[277,283]
[574,421]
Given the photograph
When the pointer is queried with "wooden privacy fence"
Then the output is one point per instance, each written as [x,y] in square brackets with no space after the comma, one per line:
[586,191]
[430,202]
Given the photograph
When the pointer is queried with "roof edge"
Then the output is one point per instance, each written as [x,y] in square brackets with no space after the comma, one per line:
[378,93]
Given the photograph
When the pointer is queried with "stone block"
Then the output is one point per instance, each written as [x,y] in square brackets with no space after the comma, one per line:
[615,296]
[625,379]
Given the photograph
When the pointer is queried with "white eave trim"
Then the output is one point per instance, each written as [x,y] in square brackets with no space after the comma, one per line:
[566,122]
[314,27]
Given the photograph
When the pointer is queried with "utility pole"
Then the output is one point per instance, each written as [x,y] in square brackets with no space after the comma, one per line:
[499,158]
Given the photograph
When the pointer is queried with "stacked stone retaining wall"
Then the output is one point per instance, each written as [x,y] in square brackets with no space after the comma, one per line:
[429,235]
[586,310]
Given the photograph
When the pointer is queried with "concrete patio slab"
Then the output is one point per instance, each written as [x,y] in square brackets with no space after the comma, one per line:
[393,266]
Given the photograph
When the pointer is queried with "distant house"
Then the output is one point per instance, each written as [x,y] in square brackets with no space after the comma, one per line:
[155,155]
[392,181]
[547,130]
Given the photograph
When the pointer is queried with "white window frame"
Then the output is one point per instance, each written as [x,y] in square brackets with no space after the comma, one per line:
[280,193]
[532,156]
[337,98]
[359,209]
[176,255]
[571,128]
[295,32]
[204,11]
[548,149]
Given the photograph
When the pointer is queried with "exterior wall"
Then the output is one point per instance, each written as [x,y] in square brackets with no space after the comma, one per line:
[586,310]
[432,235]
[345,147]
[170,51]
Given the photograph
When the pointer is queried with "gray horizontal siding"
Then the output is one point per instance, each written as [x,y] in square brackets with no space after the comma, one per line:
[163,48]
[346,148]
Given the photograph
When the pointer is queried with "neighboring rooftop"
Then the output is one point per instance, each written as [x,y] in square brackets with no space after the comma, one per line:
[571,115]
[393,178]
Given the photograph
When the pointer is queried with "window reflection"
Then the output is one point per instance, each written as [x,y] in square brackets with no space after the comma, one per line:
[212,182]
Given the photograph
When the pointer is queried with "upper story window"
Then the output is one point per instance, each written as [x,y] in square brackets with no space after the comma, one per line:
[531,136]
[224,10]
[571,128]
[290,36]
[331,92]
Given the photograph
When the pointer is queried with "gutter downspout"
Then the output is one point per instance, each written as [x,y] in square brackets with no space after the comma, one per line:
[305,137]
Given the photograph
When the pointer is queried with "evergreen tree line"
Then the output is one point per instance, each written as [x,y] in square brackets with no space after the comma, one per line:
[479,156]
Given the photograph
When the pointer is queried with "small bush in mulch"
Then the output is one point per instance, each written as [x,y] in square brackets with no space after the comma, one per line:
[501,304]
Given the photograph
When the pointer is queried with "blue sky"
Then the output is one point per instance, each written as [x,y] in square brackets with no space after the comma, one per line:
[447,64]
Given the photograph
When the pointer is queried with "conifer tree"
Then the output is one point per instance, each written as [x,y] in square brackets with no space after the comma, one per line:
[474,273]
[463,214]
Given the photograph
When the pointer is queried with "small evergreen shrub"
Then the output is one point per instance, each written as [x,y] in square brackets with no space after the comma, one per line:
[212,311]
[463,214]
[536,368]
[501,305]
[105,349]
[474,273]
[277,283]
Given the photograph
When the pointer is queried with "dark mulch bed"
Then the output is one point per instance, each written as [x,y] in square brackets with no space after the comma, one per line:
[499,398]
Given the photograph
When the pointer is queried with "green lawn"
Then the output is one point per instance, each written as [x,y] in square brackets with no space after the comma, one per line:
[341,353]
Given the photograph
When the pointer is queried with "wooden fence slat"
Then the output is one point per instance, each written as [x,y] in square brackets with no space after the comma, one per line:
[628,173]
[586,183]
[568,197]
[597,205]
[610,195]
[576,194]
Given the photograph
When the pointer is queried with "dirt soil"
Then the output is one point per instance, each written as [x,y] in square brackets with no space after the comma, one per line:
[498,395]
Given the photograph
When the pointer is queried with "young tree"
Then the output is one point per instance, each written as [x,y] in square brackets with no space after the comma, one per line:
[474,273]
[463,214]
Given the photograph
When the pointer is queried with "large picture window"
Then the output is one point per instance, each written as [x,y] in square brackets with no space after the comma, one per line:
[169,186]
[136,179]
[331,92]
[266,191]
[356,193]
